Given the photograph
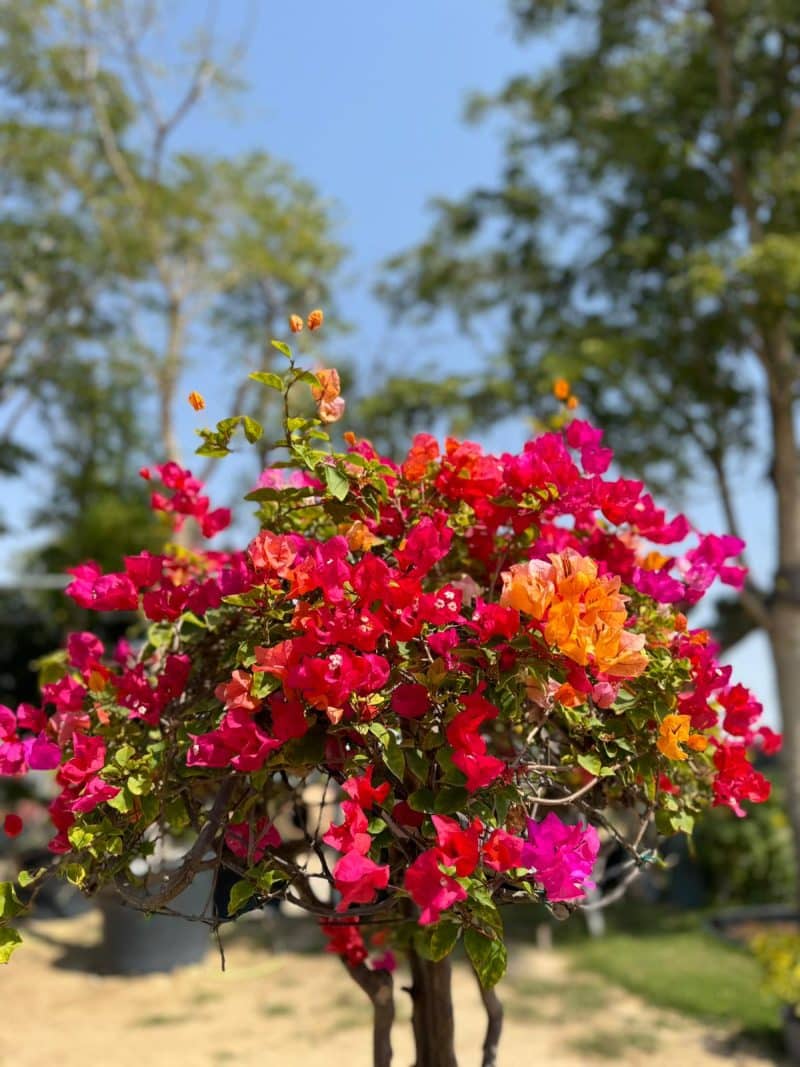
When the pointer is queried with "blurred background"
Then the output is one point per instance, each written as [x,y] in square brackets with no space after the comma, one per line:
[483,197]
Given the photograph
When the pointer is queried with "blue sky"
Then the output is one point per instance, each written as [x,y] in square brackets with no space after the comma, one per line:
[365,99]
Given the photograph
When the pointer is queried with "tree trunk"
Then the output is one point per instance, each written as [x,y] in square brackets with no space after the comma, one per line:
[432,1012]
[784,631]
[785,642]
[168,375]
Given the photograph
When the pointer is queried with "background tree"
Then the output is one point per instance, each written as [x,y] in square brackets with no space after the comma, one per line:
[97,506]
[644,240]
[119,242]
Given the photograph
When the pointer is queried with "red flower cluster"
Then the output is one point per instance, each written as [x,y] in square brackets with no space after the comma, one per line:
[469,748]
[186,500]
[357,877]
[449,640]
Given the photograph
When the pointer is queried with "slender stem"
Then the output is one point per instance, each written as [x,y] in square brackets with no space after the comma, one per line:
[494,1024]
[379,987]
[556,801]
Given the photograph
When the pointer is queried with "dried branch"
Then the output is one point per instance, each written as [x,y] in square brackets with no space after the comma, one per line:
[616,893]
[572,797]
[108,138]
[133,56]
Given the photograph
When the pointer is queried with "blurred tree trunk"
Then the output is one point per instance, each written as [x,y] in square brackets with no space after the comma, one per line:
[432,1012]
[779,361]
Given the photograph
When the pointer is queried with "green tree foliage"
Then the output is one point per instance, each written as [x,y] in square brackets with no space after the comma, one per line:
[643,241]
[764,871]
[98,505]
[122,247]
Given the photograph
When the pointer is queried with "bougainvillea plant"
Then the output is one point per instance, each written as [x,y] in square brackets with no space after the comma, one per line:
[484,659]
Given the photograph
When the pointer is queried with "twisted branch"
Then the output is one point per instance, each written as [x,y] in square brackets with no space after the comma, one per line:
[193,861]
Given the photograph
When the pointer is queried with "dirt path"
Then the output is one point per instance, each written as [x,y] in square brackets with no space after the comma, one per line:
[289,1007]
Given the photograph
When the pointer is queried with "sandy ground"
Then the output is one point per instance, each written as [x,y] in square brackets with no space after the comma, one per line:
[290,1007]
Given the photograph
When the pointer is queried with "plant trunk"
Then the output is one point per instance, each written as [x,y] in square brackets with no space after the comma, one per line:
[494,1024]
[432,1012]
[379,987]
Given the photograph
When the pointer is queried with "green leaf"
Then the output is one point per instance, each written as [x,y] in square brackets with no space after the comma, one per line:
[122,802]
[422,800]
[75,873]
[488,956]
[267,878]
[212,451]
[51,667]
[263,684]
[150,805]
[379,731]
[283,494]
[282,347]
[228,426]
[591,764]
[253,430]
[337,483]
[503,798]
[123,754]
[138,785]
[417,764]
[80,837]
[26,878]
[484,912]
[9,940]
[252,598]
[9,904]
[240,894]
[304,751]
[159,635]
[393,757]
[435,942]
[268,378]
[674,822]
[177,815]
[450,798]
[309,379]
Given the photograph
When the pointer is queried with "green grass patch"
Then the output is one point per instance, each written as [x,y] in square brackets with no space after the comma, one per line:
[686,970]
[204,996]
[614,1044]
[276,1009]
[578,996]
[159,1020]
